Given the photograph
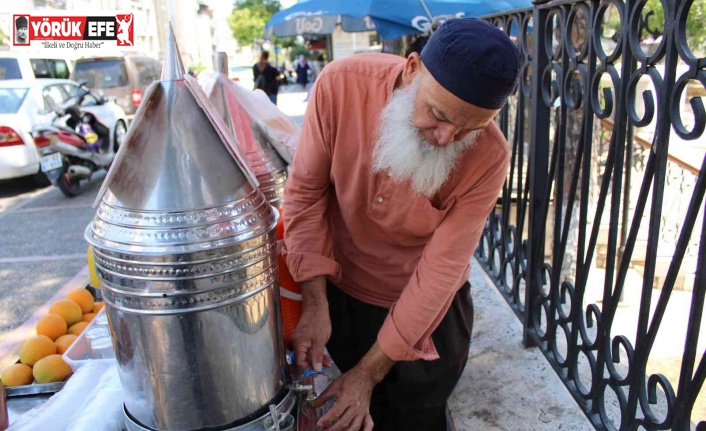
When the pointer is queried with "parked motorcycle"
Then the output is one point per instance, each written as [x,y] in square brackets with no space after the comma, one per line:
[74,146]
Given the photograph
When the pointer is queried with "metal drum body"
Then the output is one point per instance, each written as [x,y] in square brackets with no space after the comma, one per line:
[194,332]
[184,245]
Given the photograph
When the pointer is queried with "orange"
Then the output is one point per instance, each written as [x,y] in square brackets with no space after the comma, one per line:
[98,306]
[83,298]
[88,317]
[51,369]
[51,325]
[77,328]
[35,348]
[64,342]
[69,310]
[17,375]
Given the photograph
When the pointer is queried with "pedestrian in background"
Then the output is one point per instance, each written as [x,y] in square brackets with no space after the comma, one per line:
[316,65]
[266,77]
[303,72]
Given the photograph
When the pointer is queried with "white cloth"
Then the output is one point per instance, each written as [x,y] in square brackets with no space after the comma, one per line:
[55,414]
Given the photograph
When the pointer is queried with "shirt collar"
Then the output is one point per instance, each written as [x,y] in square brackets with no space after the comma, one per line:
[396,72]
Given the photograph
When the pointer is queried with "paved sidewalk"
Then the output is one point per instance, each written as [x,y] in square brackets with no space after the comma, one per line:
[290,100]
[504,385]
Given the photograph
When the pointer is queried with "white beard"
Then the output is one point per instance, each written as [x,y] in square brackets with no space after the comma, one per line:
[405,155]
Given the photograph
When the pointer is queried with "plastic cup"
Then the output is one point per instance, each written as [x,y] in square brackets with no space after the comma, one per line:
[102,319]
[102,348]
[97,332]
[286,423]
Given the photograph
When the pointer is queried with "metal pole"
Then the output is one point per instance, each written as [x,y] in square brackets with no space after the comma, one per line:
[431,18]
[629,151]
[539,180]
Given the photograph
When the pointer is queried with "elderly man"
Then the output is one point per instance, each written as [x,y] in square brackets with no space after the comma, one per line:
[398,165]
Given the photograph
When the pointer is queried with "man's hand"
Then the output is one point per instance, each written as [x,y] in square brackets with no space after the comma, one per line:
[314,328]
[352,409]
[353,390]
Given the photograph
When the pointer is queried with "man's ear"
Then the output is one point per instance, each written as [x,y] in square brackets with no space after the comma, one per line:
[412,67]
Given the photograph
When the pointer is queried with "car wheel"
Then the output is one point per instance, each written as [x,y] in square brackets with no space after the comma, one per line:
[119,135]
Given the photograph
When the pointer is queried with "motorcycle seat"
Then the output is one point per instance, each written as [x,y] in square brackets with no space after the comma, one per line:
[67,129]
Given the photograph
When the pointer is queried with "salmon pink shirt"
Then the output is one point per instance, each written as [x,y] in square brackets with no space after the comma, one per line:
[377,239]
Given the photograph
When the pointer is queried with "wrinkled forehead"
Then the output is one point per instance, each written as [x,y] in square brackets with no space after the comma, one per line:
[456,111]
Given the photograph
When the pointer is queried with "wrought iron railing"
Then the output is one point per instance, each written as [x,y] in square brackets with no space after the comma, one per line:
[605,271]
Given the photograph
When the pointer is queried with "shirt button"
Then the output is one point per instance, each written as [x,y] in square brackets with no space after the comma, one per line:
[380,199]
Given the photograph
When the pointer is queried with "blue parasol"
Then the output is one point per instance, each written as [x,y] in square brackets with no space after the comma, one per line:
[391,18]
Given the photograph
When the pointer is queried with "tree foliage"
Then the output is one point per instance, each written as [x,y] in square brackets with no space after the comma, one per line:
[298,50]
[652,23]
[248,19]
[284,42]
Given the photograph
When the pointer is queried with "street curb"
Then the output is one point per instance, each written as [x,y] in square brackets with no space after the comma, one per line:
[10,347]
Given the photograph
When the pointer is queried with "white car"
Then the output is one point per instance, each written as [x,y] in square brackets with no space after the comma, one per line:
[243,76]
[24,106]
[240,74]
[19,65]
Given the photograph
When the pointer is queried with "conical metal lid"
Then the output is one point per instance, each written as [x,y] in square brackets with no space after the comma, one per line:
[179,168]
[255,146]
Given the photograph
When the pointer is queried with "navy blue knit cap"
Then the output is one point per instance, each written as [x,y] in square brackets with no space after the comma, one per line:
[474,60]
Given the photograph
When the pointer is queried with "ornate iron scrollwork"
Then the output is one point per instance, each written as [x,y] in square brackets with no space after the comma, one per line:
[576,204]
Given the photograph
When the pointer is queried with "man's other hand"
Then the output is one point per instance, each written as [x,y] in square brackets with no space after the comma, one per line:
[313,330]
[351,412]
[352,391]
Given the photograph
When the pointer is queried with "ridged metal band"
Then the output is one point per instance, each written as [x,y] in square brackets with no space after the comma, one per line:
[272,186]
[178,302]
[276,178]
[275,196]
[184,219]
[181,267]
[195,257]
[185,267]
[220,274]
[183,232]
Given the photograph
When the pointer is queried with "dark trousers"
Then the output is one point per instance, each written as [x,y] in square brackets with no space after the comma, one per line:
[413,395]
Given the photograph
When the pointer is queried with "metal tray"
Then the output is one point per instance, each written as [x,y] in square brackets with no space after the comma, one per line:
[33,389]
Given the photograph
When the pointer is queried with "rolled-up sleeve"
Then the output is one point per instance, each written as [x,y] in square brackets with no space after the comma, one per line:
[308,241]
[406,333]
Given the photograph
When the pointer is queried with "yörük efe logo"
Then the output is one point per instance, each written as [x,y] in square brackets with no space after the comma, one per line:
[36,30]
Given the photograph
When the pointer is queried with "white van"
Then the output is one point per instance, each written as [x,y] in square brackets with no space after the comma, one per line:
[19,65]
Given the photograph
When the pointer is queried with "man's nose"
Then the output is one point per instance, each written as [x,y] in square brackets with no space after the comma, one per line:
[444,134]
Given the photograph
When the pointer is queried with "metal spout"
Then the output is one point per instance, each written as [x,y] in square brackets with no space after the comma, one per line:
[220,62]
[172,68]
